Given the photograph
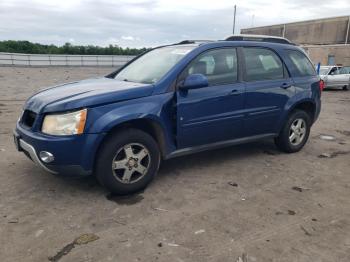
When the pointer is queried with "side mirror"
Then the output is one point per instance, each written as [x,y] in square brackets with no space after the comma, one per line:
[195,81]
[331,73]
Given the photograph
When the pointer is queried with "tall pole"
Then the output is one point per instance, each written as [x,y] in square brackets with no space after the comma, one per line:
[234,20]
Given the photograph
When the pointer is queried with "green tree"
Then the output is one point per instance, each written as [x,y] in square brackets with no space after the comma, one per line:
[27,47]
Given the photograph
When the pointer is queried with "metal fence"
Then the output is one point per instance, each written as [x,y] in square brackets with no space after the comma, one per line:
[15,59]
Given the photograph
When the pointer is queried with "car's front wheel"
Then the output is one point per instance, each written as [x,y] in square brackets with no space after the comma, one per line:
[127,161]
[345,88]
[295,132]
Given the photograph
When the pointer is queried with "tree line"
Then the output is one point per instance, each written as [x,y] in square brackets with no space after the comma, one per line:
[27,47]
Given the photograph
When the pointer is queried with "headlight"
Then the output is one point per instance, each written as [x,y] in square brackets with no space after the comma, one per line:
[65,124]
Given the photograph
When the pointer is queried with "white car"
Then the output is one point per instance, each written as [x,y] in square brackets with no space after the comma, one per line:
[335,76]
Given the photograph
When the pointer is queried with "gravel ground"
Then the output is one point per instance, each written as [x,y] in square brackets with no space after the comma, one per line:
[243,203]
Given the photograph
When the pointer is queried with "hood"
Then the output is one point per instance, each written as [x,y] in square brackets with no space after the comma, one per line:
[86,93]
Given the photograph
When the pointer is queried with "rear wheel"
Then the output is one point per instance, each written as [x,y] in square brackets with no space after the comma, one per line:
[346,87]
[127,161]
[295,132]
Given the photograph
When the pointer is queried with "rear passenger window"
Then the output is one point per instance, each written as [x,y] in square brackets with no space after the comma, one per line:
[262,64]
[344,70]
[302,63]
[218,65]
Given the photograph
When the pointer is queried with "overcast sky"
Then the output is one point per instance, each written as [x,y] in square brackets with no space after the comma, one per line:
[138,23]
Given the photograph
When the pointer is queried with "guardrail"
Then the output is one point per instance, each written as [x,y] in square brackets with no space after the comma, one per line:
[16,59]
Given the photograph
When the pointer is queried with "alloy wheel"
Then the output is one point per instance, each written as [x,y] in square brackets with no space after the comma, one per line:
[131,163]
[297,131]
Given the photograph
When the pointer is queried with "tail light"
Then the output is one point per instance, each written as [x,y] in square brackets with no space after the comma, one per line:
[321,85]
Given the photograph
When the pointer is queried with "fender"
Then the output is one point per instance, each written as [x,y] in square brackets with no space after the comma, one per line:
[157,109]
[293,102]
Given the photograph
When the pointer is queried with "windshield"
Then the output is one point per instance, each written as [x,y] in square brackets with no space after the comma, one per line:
[324,71]
[153,65]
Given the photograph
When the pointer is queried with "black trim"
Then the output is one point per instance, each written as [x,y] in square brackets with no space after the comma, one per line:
[237,141]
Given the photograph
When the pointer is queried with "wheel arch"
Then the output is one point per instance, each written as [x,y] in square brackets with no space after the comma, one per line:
[148,125]
[306,105]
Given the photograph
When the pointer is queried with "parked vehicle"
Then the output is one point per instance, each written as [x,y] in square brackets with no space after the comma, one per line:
[171,101]
[335,76]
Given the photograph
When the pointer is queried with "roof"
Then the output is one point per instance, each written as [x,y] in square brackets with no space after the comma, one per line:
[243,37]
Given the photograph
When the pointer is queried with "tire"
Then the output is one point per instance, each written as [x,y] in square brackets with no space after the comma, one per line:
[285,141]
[122,156]
[345,88]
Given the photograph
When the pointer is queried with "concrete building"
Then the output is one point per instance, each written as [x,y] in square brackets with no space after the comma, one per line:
[325,40]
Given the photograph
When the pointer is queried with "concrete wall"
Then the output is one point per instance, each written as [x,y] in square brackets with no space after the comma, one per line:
[321,38]
[320,54]
[314,32]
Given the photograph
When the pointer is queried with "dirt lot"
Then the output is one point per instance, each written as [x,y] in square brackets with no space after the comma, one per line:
[243,203]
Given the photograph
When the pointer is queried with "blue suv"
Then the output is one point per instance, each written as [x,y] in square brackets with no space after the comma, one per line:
[170,101]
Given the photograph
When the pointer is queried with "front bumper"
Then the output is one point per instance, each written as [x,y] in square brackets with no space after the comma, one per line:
[73,155]
[30,150]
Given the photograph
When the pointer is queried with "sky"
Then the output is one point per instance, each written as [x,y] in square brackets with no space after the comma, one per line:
[148,23]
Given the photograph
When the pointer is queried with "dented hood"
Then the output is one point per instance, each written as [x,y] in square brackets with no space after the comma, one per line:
[86,93]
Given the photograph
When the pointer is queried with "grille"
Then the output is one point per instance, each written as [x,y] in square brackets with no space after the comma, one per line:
[28,118]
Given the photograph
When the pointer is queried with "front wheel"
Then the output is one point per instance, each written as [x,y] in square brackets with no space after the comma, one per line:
[295,132]
[127,161]
[345,88]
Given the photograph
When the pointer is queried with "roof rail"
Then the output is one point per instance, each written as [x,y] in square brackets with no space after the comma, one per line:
[184,42]
[260,38]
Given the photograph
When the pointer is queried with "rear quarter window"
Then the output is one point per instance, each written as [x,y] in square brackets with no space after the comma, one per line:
[302,65]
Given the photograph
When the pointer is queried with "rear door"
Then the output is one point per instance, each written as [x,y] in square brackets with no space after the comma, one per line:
[268,88]
[214,113]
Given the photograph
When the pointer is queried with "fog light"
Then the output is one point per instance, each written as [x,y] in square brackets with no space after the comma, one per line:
[46,157]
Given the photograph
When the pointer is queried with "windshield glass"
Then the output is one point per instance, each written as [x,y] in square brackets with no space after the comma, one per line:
[324,71]
[153,65]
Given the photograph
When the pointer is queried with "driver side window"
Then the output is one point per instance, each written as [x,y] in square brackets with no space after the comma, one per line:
[218,65]
[334,71]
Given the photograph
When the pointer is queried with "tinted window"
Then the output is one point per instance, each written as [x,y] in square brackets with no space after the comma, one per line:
[262,64]
[219,66]
[301,63]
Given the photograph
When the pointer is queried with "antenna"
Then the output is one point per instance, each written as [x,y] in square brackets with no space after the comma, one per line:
[234,20]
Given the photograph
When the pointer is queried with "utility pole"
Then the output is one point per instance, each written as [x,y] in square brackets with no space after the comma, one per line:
[234,20]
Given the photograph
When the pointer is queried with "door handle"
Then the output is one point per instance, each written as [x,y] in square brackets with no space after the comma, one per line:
[234,92]
[286,85]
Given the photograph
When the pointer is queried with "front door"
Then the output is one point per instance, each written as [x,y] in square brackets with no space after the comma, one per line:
[214,113]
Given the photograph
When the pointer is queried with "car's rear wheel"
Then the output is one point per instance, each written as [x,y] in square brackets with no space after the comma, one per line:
[346,87]
[127,161]
[295,132]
